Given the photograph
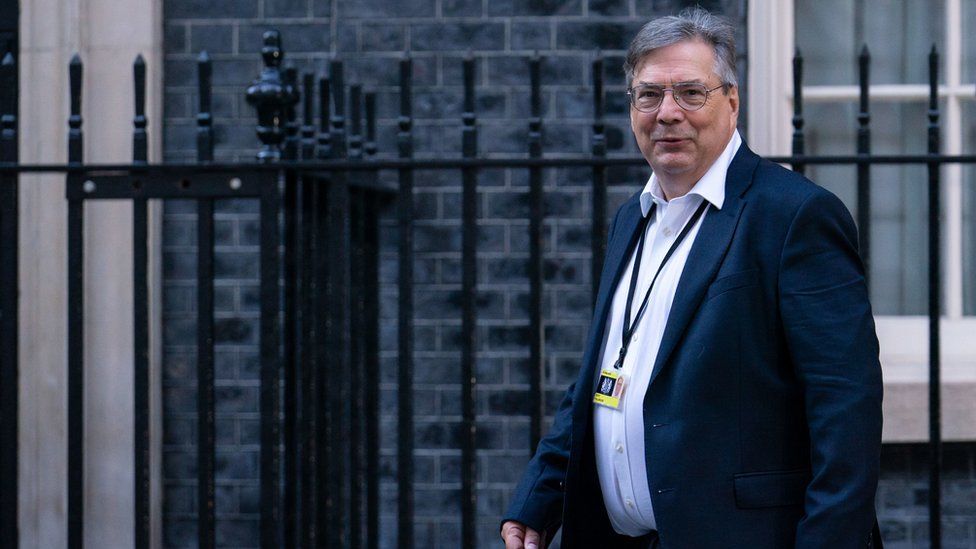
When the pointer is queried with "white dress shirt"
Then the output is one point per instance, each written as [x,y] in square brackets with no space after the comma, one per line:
[619,434]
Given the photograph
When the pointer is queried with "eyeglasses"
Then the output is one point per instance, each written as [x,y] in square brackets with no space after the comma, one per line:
[690,97]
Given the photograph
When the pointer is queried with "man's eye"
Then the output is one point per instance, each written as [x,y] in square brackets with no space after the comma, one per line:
[693,92]
[648,94]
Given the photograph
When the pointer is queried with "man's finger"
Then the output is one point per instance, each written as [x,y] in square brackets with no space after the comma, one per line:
[533,540]
[513,533]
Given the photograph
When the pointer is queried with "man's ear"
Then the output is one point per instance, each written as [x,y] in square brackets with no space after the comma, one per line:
[733,93]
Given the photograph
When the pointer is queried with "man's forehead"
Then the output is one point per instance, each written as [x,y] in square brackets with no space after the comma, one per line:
[689,60]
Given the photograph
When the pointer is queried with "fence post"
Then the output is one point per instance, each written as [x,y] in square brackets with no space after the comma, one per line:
[206,433]
[598,239]
[935,309]
[798,144]
[140,287]
[405,503]
[372,343]
[469,321]
[864,165]
[76,328]
[536,213]
[9,290]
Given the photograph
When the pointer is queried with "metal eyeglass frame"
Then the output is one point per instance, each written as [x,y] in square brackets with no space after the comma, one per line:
[630,94]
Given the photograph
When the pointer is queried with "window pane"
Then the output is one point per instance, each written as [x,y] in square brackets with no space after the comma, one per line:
[898,33]
[898,269]
[969,210]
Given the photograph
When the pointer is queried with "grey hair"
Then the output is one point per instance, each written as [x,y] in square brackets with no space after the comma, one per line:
[691,24]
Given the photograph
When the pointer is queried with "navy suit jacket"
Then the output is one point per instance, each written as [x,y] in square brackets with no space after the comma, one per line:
[762,420]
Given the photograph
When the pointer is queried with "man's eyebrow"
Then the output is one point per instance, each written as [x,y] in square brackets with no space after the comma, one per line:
[694,81]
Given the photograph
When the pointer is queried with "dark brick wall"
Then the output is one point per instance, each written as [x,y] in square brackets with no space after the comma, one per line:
[370,36]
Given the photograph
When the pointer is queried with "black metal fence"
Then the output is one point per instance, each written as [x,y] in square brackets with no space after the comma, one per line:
[320,186]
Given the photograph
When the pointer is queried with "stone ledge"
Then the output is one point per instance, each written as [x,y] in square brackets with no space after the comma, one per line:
[906,416]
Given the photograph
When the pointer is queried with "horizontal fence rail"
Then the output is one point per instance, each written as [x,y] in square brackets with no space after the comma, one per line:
[317,182]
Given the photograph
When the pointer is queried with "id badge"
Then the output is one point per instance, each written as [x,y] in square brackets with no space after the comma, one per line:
[609,390]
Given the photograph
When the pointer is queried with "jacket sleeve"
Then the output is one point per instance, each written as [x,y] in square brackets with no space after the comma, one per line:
[538,499]
[830,335]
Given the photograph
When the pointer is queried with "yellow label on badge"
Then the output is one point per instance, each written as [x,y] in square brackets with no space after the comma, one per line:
[609,390]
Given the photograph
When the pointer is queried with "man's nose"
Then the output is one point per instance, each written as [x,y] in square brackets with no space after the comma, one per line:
[669,112]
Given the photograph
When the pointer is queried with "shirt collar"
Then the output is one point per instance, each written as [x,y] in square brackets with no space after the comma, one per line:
[711,186]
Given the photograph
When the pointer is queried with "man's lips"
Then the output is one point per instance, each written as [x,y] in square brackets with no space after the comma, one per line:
[671,140]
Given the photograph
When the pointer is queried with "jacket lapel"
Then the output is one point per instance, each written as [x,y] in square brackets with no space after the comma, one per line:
[625,235]
[706,254]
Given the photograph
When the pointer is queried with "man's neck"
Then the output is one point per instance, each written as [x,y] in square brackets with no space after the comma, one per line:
[677,187]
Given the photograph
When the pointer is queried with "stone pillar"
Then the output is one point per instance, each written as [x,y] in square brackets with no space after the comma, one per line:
[108,34]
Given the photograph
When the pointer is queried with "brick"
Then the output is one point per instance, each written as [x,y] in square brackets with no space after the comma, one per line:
[179,299]
[382,37]
[236,264]
[501,338]
[573,238]
[179,464]
[461,8]
[437,238]
[212,38]
[563,70]
[285,8]
[566,138]
[440,103]
[508,402]
[573,304]
[179,367]
[174,38]
[506,205]
[230,399]
[294,38]
[564,337]
[237,533]
[585,35]
[382,9]
[236,464]
[531,36]
[176,331]
[249,499]
[505,270]
[211,9]
[609,7]
[180,532]
[225,499]
[250,432]
[535,7]
[179,432]
[460,36]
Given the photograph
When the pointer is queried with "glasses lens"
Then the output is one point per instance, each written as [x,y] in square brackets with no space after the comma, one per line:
[690,96]
[647,98]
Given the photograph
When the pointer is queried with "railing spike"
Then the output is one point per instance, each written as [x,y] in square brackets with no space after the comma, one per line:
[75,138]
[140,144]
[204,116]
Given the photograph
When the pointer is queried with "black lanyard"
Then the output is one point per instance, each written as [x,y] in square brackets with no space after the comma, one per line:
[629,328]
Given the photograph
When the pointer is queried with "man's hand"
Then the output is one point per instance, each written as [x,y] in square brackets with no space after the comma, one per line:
[520,536]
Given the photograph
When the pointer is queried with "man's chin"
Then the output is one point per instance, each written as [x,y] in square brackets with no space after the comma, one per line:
[671,166]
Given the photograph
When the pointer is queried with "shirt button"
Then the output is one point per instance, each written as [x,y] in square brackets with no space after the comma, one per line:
[630,503]
[619,448]
[668,231]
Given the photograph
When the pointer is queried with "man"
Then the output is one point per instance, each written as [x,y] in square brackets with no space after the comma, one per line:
[730,392]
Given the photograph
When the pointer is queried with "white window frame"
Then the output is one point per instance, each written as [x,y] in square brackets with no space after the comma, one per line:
[904,339]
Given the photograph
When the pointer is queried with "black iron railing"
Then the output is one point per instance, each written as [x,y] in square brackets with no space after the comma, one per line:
[321,184]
